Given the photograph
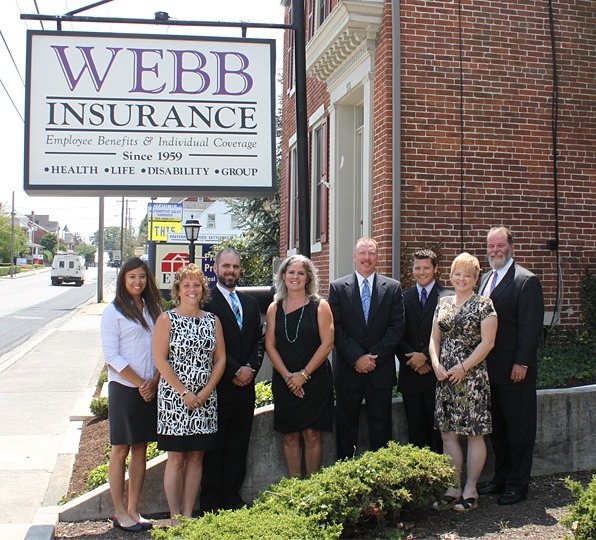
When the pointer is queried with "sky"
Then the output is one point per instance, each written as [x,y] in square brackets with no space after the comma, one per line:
[81,214]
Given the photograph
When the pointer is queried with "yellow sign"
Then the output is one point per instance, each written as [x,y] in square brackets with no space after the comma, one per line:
[160,229]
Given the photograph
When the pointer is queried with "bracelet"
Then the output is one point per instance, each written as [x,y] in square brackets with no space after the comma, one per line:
[462,366]
[185,392]
[305,374]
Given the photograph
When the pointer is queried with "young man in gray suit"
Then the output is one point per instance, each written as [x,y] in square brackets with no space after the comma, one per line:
[368,313]
[517,296]
[417,381]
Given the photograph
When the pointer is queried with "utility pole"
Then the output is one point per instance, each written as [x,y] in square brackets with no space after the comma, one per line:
[301,128]
[12,239]
[100,254]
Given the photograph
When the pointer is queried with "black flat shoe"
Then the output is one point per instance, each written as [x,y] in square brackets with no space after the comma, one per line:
[133,528]
[511,497]
[491,489]
[466,505]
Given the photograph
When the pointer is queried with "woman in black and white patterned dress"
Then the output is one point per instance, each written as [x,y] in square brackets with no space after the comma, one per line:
[190,355]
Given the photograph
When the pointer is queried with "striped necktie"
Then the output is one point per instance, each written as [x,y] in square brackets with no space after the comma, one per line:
[494,282]
[236,308]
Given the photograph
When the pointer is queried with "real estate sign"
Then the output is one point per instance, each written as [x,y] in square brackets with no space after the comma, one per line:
[111,114]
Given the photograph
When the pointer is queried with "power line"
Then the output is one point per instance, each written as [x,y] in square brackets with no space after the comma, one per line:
[11,57]
[11,100]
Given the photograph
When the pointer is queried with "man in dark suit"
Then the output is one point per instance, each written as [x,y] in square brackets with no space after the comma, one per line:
[368,313]
[224,468]
[517,296]
[417,382]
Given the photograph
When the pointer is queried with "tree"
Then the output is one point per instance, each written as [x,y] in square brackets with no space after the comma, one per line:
[259,219]
[48,241]
[111,241]
[86,251]
[20,240]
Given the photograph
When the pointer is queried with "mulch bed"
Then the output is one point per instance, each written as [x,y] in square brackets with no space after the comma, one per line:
[534,519]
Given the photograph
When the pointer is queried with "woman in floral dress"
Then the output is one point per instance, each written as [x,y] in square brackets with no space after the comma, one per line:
[464,330]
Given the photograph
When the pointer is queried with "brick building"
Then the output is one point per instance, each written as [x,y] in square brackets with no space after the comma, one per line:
[431,121]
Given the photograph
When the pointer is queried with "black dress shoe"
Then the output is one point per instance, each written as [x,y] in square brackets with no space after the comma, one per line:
[511,497]
[491,489]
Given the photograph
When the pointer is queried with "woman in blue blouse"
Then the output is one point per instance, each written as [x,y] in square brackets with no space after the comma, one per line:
[126,328]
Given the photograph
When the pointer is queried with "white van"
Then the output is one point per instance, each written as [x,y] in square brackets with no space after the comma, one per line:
[68,268]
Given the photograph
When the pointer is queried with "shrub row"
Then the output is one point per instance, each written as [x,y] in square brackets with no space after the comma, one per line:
[346,495]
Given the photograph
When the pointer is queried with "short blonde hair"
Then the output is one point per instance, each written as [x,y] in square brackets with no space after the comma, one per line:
[467,262]
[188,271]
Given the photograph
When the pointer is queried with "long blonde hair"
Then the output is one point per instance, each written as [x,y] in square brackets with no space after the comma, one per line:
[312,280]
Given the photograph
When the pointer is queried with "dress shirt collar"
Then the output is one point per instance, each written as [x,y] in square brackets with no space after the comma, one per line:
[428,288]
[371,280]
[224,291]
[500,274]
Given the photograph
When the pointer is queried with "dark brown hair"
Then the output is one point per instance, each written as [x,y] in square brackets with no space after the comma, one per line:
[124,303]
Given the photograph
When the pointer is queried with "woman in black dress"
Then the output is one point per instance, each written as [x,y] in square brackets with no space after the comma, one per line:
[298,340]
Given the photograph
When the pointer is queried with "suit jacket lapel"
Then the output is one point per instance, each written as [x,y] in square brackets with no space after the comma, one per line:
[225,308]
[505,282]
[377,292]
[414,302]
[353,292]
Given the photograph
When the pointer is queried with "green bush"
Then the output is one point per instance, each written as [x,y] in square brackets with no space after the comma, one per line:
[250,524]
[587,295]
[355,489]
[582,519]
[99,407]
[102,379]
[564,366]
[345,495]
[263,394]
[5,270]
[99,476]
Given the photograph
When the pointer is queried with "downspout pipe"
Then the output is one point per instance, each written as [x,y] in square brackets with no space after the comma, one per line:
[396,138]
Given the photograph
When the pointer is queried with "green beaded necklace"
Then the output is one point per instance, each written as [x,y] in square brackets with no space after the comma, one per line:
[297,327]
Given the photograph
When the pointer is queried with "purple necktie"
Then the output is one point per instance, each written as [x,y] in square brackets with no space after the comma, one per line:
[494,282]
[423,297]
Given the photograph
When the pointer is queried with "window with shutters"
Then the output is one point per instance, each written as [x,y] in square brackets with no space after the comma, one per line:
[319,182]
[291,198]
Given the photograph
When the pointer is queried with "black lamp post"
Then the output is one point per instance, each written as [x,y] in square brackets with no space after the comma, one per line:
[191,230]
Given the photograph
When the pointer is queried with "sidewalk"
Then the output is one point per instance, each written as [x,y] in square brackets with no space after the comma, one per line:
[44,397]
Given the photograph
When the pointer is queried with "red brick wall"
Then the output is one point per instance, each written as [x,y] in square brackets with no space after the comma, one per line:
[507,99]
[508,176]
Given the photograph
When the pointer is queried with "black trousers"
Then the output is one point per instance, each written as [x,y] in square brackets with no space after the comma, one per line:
[420,413]
[347,412]
[224,468]
[513,408]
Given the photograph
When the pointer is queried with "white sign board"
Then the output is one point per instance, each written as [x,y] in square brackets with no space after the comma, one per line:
[111,114]
[165,211]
